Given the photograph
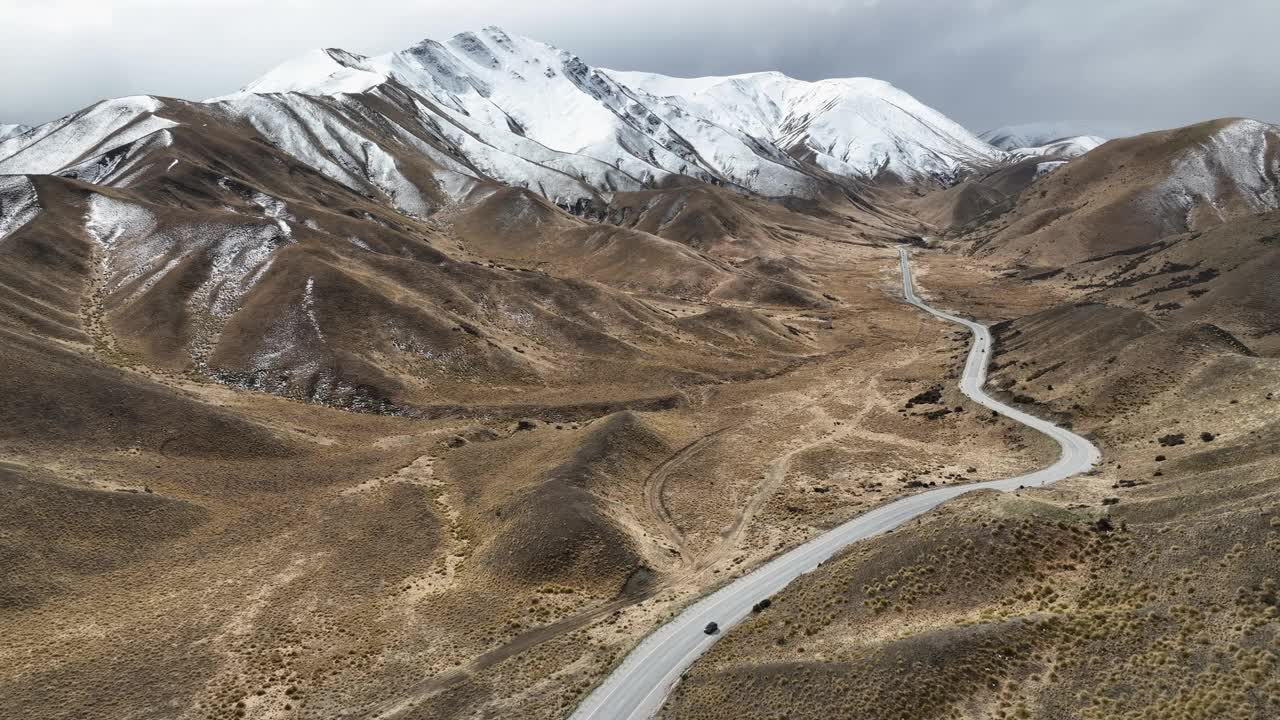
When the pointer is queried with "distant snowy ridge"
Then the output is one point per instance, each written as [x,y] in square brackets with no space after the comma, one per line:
[1065,148]
[10,130]
[1012,137]
[1043,139]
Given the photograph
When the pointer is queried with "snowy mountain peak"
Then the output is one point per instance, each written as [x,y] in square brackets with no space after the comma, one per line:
[319,72]
[763,131]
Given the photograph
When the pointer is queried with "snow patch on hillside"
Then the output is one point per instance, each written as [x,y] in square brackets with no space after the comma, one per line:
[1233,163]
[19,203]
[309,305]
[139,250]
[126,233]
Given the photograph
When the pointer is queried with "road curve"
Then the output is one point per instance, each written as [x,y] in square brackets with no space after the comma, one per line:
[636,689]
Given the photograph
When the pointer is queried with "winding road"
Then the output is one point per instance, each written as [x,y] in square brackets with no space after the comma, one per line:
[636,689]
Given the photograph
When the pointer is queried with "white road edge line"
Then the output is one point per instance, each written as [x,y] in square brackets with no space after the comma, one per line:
[636,689]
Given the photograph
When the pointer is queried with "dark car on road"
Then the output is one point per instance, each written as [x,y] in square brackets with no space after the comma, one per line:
[711,628]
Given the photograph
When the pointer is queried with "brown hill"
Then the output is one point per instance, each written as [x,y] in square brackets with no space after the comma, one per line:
[1134,191]
[976,198]
[559,529]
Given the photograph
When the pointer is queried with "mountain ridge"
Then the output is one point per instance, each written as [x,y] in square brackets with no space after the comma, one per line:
[491,107]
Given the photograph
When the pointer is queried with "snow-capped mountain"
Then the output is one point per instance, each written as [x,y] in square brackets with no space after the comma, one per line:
[852,127]
[427,125]
[1011,137]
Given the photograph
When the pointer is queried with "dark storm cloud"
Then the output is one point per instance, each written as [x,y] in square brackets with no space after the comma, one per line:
[1116,67]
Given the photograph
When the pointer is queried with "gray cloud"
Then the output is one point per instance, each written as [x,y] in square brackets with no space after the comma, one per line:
[1114,67]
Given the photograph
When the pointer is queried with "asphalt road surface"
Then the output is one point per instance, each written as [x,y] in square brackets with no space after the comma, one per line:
[637,688]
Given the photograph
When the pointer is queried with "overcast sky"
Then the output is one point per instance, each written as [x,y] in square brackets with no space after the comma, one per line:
[1113,66]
